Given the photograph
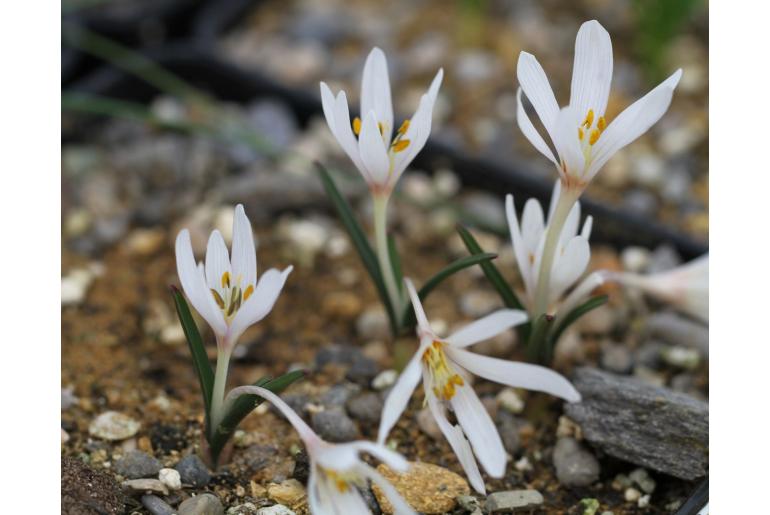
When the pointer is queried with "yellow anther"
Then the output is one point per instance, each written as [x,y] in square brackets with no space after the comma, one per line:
[404,127]
[443,375]
[218,298]
[400,145]
[247,292]
[601,124]
[589,119]
[357,125]
[594,136]
[381,127]
[581,133]
[226,280]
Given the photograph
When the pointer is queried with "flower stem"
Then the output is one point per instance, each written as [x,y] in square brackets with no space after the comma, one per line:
[566,200]
[383,253]
[218,393]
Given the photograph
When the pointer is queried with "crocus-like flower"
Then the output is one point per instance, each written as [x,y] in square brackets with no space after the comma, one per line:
[580,132]
[336,470]
[572,252]
[446,367]
[379,156]
[225,290]
[685,287]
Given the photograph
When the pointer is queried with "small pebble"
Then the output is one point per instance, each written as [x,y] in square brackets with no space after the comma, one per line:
[68,398]
[635,259]
[510,400]
[644,501]
[373,324]
[145,485]
[511,499]
[523,465]
[171,478]
[427,424]
[202,504]
[643,480]
[468,503]
[616,358]
[589,506]
[113,426]
[193,472]
[248,508]
[632,494]
[74,286]
[278,509]
[476,304]
[338,395]
[65,437]
[384,379]
[681,357]
[575,465]
[334,425]
[289,492]
[508,428]
[157,506]
[137,464]
[366,407]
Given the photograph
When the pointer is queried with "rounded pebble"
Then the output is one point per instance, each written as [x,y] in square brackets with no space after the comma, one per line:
[113,426]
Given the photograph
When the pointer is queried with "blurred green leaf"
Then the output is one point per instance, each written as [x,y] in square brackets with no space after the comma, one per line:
[574,315]
[395,262]
[197,349]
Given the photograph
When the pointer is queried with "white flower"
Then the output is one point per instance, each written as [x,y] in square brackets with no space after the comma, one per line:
[336,469]
[583,139]
[572,252]
[225,290]
[446,367]
[380,157]
[685,287]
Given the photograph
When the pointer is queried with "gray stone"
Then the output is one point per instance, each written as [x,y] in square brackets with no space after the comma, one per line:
[663,258]
[468,503]
[370,499]
[137,464]
[338,395]
[640,201]
[361,369]
[203,504]
[427,424]
[334,425]
[650,354]
[145,485]
[642,478]
[506,501]
[486,207]
[114,426]
[575,465]
[617,358]
[256,457]
[508,427]
[373,324]
[157,506]
[649,426]
[677,330]
[193,471]
[276,509]
[366,407]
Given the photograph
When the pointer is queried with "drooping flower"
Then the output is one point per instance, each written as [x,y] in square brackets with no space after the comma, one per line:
[336,470]
[685,287]
[225,290]
[583,138]
[368,141]
[446,367]
[572,253]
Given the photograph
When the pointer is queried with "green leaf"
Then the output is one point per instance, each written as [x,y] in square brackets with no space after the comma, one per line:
[433,282]
[360,242]
[244,405]
[395,262]
[197,350]
[572,316]
[538,346]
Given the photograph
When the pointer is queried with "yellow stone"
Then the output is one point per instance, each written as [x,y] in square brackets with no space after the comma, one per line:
[426,487]
[289,493]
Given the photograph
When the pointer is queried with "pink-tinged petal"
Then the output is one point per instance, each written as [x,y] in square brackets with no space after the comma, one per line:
[518,375]
[592,70]
[217,261]
[567,142]
[487,327]
[375,91]
[530,132]
[400,507]
[399,396]
[633,122]
[535,85]
[244,255]
[372,150]
[260,303]
[459,444]
[194,284]
[569,265]
[479,428]
[419,312]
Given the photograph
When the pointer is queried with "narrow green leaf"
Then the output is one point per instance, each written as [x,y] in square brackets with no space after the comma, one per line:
[444,273]
[395,262]
[490,271]
[244,405]
[574,315]
[197,349]
[360,242]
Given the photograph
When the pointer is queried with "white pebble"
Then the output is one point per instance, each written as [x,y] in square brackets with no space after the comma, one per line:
[643,501]
[632,494]
[384,379]
[170,478]
[509,400]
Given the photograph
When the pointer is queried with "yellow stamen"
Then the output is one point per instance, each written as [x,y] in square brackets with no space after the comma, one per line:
[218,298]
[247,293]
[445,379]
[357,125]
[601,124]
[589,119]
[380,127]
[594,136]
[581,133]
[400,145]
[226,280]
[404,127]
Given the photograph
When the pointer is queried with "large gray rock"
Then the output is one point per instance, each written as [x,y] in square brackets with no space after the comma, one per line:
[647,425]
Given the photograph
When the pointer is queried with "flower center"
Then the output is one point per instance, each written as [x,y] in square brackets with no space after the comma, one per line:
[444,378]
[230,298]
[398,144]
[342,480]
[589,133]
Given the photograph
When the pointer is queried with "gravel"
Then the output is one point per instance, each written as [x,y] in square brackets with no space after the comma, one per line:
[499,502]
[203,504]
[575,465]
[157,506]
[334,425]
[366,407]
[137,464]
[677,330]
[193,471]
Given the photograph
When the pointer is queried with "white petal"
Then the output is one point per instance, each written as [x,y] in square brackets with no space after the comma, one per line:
[532,224]
[260,303]
[569,265]
[419,312]
[343,131]
[592,70]
[569,230]
[479,428]
[391,458]
[217,261]
[567,142]
[555,193]
[487,327]
[372,150]
[633,122]
[194,284]
[587,226]
[519,248]
[400,506]
[459,444]
[319,505]
[530,132]
[581,291]
[534,82]
[518,375]
[328,103]
[349,501]
[244,258]
[375,91]
[399,395]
